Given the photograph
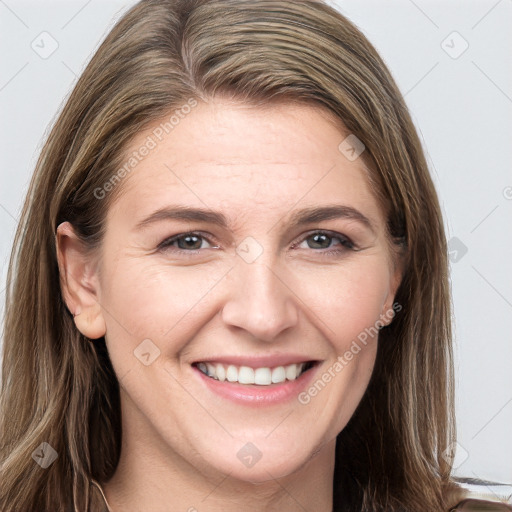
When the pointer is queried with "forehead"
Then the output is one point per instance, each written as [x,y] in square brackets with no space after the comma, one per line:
[245,157]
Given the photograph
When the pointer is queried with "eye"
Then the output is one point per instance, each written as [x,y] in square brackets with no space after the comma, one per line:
[335,243]
[326,242]
[186,242]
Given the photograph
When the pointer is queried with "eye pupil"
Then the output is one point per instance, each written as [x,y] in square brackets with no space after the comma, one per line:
[320,239]
[189,241]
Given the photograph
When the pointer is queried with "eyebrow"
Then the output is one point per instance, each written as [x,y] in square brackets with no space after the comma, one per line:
[309,215]
[330,212]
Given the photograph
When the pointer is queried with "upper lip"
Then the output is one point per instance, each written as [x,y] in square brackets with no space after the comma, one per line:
[266,361]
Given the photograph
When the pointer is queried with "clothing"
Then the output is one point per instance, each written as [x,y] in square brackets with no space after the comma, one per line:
[477,496]
[480,495]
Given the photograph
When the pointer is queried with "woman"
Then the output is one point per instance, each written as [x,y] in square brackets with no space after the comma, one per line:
[233,261]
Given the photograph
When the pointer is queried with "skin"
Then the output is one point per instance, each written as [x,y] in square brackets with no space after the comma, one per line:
[256,166]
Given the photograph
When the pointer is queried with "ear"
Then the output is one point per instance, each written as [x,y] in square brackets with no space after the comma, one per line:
[390,308]
[79,282]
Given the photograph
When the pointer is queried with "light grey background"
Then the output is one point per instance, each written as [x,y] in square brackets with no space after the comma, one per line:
[461,102]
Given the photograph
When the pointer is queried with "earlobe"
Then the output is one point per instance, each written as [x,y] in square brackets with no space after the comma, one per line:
[91,322]
[78,282]
[391,307]
[387,315]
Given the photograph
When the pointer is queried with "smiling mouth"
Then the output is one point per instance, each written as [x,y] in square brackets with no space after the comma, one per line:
[259,376]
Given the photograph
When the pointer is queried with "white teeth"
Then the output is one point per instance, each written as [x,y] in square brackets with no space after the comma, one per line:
[211,369]
[247,375]
[262,376]
[278,374]
[291,371]
[232,373]
[221,372]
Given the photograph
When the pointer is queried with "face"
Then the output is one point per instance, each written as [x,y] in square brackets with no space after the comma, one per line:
[266,265]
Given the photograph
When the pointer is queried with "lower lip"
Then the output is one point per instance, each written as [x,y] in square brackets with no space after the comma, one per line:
[253,394]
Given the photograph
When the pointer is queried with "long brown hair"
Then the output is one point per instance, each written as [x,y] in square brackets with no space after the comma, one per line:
[60,389]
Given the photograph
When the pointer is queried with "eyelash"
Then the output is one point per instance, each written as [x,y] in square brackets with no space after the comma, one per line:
[345,242]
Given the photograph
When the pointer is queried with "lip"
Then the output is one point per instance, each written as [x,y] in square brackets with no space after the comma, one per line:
[255,395]
[266,361]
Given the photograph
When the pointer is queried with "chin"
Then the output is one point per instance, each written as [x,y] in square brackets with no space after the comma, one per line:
[257,462]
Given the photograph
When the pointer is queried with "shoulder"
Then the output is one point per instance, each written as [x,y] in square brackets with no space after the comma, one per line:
[474,495]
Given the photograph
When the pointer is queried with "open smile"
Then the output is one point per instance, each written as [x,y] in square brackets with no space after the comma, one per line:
[262,376]
[262,385]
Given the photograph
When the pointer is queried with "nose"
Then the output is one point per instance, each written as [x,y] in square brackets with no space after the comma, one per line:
[260,301]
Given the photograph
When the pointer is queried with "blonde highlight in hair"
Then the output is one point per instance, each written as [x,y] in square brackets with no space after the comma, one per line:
[59,388]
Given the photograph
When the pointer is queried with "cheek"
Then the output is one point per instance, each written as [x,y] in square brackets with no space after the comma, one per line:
[348,299]
[169,304]
[154,301]
[348,302]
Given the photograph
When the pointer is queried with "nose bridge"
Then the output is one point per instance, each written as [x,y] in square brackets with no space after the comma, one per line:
[259,301]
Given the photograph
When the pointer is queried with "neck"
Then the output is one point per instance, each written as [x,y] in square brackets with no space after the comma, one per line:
[150,476]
